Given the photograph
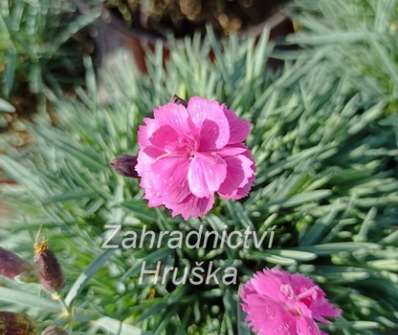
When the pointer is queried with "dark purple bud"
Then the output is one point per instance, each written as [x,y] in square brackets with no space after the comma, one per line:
[15,324]
[49,270]
[125,165]
[177,100]
[54,330]
[11,265]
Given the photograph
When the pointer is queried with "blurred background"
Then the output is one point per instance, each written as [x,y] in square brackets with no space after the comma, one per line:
[43,42]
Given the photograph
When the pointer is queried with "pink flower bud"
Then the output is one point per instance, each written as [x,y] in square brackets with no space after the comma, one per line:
[125,165]
[11,265]
[15,324]
[49,270]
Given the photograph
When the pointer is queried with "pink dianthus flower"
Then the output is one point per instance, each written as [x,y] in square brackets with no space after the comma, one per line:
[279,303]
[190,152]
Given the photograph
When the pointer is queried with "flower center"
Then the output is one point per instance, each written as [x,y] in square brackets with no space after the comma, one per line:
[295,310]
[187,145]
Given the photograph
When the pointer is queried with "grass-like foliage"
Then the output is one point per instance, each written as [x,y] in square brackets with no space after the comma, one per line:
[356,38]
[35,44]
[326,180]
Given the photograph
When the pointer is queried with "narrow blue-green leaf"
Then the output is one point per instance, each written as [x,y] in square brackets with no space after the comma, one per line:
[295,254]
[243,328]
[267,256]
[149,258]
[6,107]
[304,197]
[387,61]
[334,37]
[9,75]
[84,278]
[332,248]
[68,196]
[317,231]
[117,327]
[140,210]
[29,300]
